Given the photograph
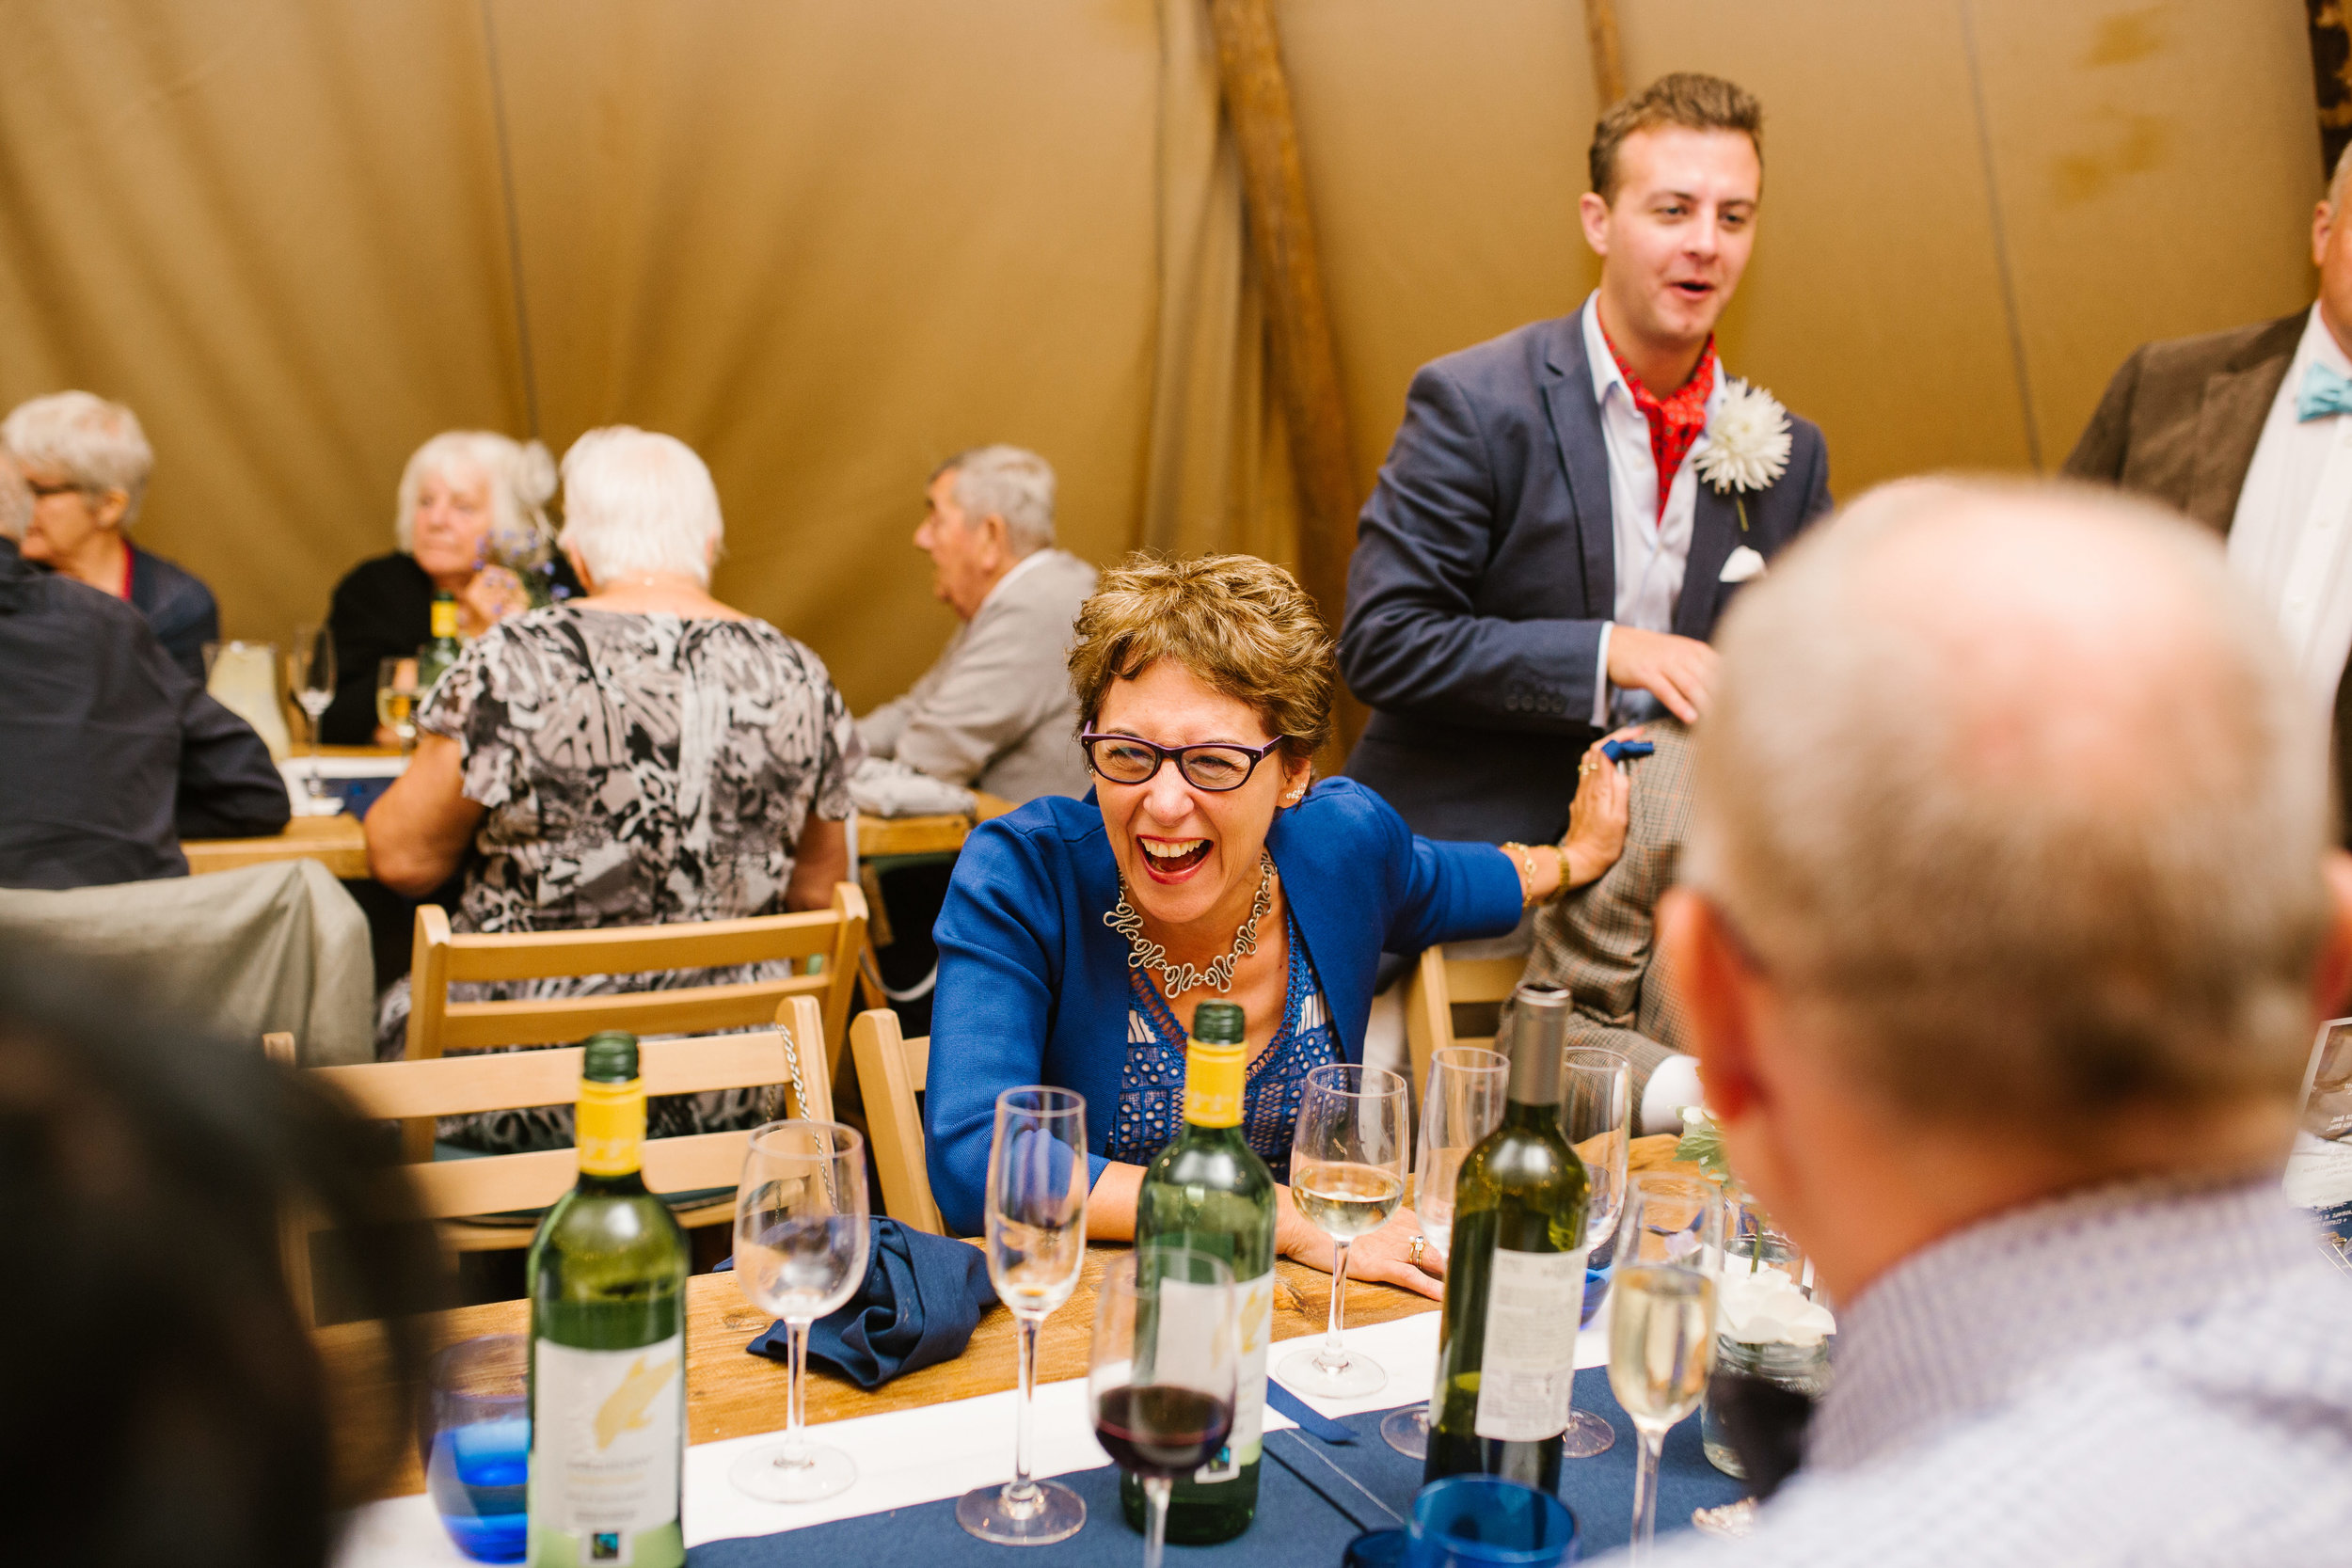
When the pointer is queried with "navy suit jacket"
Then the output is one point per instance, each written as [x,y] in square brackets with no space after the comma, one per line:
[1485,568]
[1033,985]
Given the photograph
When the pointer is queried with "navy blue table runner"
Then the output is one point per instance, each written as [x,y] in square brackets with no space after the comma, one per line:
[1313,1499]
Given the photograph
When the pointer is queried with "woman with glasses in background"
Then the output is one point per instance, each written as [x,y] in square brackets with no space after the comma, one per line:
[1078,936]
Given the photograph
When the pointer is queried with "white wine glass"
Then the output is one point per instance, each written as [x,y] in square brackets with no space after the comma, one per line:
[1347,1177]
[310,678]
[396,700]
[1462,1103]
[1162,1371]
[1037,1248]
[1596,1114]
[801,1244]
[1661,1324]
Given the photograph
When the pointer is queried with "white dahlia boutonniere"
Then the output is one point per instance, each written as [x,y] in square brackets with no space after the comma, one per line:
[1746,445]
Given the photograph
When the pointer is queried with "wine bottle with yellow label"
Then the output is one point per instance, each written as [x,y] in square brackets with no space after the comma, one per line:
[1208,1191]
[608,1343]
[434,657]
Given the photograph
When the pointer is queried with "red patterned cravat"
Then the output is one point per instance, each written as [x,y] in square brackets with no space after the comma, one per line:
[1677,423]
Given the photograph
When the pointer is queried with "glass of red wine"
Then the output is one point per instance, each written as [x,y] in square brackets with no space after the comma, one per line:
[1161,1374]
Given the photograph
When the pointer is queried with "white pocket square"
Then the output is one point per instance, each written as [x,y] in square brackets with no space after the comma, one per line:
[1744,563]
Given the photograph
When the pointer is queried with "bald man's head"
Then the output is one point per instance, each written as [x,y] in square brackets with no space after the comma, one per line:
[2019,783]
[16,499]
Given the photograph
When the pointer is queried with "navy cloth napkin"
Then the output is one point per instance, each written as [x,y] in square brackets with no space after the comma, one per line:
[921,1298]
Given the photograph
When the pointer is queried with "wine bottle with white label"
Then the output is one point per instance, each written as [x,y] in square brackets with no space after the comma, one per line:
[1515,1273]
[1208,1191]
[608,1343]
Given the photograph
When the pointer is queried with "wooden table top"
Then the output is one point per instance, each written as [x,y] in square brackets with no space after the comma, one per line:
[337,842]
[730,1393]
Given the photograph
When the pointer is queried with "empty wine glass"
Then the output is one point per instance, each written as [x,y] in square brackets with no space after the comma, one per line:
[310,676]
[1160,1376]
[396,700]
[802,1242]
[1662,1325]
[1462,1104]
[1596,1114]
[1037,1247]
[1347,1177]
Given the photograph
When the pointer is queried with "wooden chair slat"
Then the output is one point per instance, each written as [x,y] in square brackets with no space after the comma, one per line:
[566,1021]
[452,1189]
[461,1085]
[890,1070]
[631,949]
[1439,983]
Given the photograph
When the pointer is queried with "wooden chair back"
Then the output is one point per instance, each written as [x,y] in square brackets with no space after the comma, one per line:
[891,1071]
[438,1025]
[1439,985]
[448,1190]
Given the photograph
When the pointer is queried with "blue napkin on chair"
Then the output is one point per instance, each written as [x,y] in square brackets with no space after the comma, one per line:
[921,1298]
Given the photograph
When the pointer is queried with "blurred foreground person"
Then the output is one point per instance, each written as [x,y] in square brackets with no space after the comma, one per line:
[472,519]
[995,712]
[164,1400]
[2003,1003]
[2247,430]
[640,756]
[109,752]
[88,462]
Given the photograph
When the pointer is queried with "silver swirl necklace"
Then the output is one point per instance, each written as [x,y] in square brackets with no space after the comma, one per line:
[1176,979]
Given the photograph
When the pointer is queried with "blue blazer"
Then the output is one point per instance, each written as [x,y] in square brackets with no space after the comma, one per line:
[1033,985]
[1484,566]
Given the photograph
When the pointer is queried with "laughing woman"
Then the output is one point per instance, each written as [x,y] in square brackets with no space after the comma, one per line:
[1205,688]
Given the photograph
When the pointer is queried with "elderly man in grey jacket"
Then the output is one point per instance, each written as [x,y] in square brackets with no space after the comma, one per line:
[996,712]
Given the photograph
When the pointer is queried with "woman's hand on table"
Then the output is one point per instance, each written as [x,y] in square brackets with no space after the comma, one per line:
[1385,1255]
[1598,814]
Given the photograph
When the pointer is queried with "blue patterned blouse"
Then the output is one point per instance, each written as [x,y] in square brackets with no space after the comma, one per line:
[1152,1082]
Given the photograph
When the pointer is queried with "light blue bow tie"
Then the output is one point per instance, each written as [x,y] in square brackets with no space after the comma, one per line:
[2324,393]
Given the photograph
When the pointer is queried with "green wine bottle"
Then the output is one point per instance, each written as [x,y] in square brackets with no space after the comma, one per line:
[1209,1192]
[1515,1273]
[608,1343]
[434,657]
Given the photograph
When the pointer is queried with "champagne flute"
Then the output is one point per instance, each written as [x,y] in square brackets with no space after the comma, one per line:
[396,700]
[310,675]
[801,1244]
[1596,1114]
[1661,1326]
[1347,1177]
[1161,1374]
[1463,1103]
[1037,1246]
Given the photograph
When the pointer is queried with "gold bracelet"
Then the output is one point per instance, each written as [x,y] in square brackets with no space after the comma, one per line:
[1561,851]
[1523,861]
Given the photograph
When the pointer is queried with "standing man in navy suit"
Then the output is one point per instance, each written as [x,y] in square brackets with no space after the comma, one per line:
[1566,508]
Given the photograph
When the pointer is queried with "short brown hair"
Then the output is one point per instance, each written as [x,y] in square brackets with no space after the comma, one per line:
[1688,99]
[1241,626]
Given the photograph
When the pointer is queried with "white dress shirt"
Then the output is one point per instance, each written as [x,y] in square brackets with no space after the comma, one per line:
[1652,551]
[2292,537]
[2131,1377]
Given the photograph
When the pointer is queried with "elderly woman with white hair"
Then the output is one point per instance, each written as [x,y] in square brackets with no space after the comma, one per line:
[86,462]
[641,755]
[472,512]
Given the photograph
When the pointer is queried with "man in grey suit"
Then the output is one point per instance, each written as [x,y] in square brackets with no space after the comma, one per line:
[1541,559]
[2247,432]
[996,712]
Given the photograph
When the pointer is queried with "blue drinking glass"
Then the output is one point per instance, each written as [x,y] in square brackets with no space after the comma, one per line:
[1487,1521]
[477,1445]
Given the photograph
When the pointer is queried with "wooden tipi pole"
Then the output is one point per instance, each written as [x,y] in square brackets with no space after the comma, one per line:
[1601,29]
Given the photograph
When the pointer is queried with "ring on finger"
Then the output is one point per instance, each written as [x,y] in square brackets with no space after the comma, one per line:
[1417,1247]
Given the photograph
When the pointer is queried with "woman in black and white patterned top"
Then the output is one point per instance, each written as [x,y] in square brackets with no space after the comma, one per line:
[641,756]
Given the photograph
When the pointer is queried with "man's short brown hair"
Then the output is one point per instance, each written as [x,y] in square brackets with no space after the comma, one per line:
[1688,99]
[1239,625]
